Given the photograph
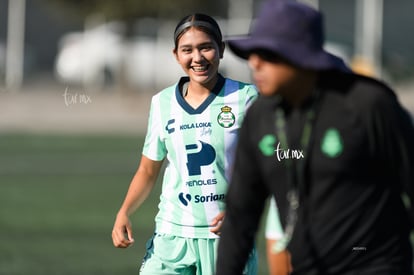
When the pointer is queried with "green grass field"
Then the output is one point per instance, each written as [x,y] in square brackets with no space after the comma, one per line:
[58,199]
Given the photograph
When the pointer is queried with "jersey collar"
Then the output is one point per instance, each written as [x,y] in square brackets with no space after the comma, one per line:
[187,107]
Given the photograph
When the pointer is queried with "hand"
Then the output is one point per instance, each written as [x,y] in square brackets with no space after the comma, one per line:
[122,232]
[216,223]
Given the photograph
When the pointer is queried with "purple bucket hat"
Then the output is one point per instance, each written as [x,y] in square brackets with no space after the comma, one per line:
[292,30]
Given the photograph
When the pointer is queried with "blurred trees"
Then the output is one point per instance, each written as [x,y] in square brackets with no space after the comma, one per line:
[131,10]
[92,13]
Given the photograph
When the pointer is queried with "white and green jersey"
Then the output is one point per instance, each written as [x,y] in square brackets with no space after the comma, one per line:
[199,145]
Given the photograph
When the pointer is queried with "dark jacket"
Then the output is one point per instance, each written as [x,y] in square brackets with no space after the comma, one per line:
[359,162]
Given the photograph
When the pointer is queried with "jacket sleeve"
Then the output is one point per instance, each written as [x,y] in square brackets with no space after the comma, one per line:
[402,152]
[245,202]
[394,131]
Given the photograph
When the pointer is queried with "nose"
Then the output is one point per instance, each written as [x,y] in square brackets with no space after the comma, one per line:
[254,61]
[197,55]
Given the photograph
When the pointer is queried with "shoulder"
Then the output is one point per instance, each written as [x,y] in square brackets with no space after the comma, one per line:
[370,89]
[262,108]
[165,94]
[240,85]
[167,90]
[368,100]
[358,90]
[245,92]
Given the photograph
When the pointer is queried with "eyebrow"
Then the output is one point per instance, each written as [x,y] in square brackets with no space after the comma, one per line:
[198,45]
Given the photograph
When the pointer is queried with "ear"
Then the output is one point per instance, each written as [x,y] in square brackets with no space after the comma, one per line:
[174,51]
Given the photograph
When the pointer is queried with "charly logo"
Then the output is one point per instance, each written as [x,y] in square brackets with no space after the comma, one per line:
[332,144]
[169,129]
[267,145]
[226,118]
[185,199]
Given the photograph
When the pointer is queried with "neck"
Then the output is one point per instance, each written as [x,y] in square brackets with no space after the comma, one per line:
[197,88]
[299,90]
[197,93]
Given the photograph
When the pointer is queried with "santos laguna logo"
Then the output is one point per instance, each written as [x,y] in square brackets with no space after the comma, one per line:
[187,198]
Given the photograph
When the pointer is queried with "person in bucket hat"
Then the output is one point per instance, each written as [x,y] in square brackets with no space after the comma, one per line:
[294,32]
[335,149]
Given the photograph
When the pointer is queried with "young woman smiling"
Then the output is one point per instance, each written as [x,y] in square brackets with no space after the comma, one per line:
[193,125]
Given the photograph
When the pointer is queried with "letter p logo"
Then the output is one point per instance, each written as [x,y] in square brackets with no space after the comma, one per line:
[205,156]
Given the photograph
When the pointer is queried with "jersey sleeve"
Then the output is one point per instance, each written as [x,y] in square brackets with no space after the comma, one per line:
[252,95]
[273,227]
[154,148]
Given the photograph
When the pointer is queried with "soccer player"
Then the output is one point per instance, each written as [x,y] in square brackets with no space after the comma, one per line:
[193,125]
[336,150]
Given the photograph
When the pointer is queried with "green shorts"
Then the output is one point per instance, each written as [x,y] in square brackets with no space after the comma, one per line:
[171,255]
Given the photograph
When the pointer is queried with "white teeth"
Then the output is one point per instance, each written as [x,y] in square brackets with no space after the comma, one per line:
[200,69]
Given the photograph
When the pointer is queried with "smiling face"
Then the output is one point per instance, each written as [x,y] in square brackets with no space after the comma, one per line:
[199,55]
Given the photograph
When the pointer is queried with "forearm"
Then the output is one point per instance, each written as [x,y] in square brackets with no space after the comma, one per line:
[141,185]
[278,262]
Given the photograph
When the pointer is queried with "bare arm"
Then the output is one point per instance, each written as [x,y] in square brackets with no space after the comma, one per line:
[139,189]
[278,263]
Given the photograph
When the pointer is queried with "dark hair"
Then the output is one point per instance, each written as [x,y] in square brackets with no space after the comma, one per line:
[201,21]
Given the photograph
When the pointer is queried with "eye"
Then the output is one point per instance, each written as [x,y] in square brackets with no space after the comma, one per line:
[206,48]
[186,50]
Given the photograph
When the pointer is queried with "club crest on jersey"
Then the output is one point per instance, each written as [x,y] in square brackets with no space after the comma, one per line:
[226,118]
[332,144]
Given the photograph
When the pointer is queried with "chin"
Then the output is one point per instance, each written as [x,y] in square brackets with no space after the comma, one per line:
[203,78]
[265,92]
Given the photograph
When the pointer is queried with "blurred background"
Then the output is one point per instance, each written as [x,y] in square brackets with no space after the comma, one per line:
[76,78]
